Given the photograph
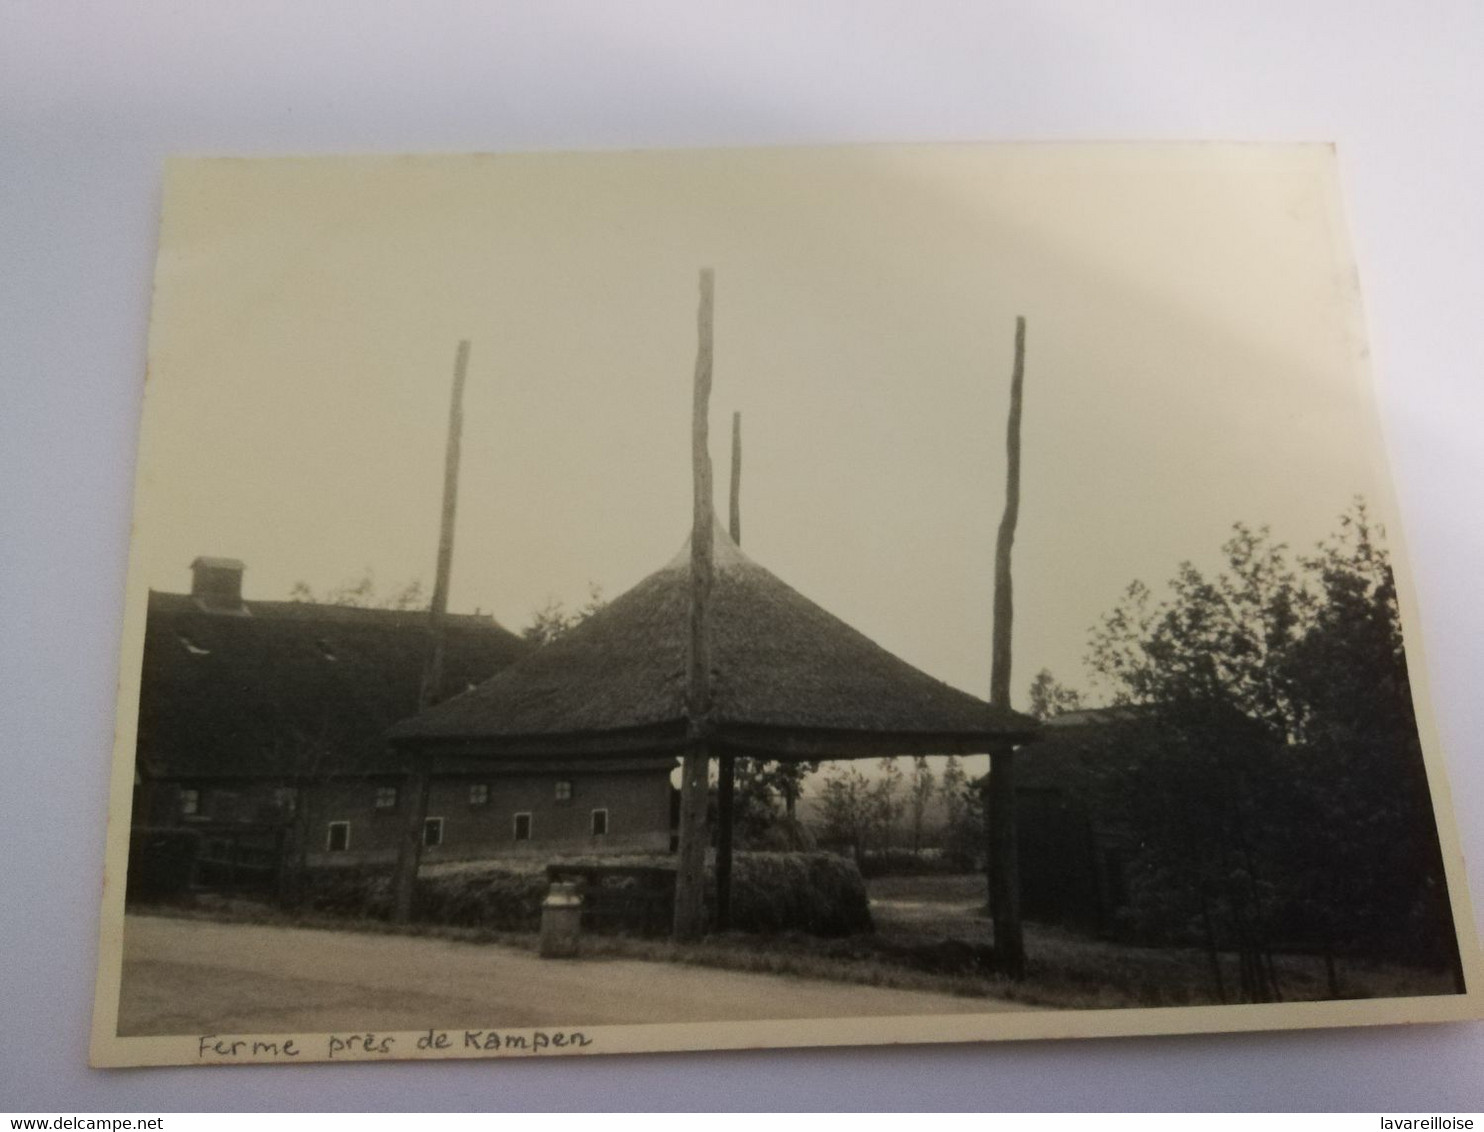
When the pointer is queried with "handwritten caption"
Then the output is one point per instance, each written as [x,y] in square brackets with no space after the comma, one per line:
[211,1047]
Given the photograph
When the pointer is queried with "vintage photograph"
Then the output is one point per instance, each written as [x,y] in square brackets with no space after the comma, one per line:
[627,601]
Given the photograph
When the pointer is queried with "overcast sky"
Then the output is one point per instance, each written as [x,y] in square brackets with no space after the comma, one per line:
[1192,361]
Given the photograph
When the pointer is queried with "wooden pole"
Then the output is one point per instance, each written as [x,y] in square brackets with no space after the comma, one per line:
[1004,863]
[419,780]
[433,680]
[690,876]
[736,507]
[726,786]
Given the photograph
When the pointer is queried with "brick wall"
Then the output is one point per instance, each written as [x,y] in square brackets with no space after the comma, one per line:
[478,815]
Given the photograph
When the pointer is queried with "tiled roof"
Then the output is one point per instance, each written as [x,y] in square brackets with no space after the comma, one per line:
[293,687]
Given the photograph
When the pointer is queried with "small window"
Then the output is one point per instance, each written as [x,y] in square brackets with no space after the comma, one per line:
[338,840]
[564,790]
[190,802]
[386,797]
[600,823]
[432,833]
[479,794]
[285,799]
[523,827]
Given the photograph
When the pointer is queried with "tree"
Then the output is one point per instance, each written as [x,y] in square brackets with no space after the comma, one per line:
[553,620]
[361,594]
[888,804]
[783,782]
[755,804]
[847,811]
[858,812]
[1362,813]
[764,800]
[919,796]
[1213,641]
[1205,664]
[963,808]
[1049,697]
[1278,791]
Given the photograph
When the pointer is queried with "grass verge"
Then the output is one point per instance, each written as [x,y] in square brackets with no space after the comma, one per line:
[930,936]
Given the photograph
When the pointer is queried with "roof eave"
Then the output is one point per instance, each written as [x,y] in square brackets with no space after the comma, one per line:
[782,743]
[808,744]
[659,738]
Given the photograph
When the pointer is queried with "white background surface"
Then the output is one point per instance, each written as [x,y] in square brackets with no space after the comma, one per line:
[92,97]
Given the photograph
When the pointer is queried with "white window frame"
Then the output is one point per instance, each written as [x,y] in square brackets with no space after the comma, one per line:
[190,802]
[330,837]
[593,822]
[479,793]
[571,790]
[515,826]
[432,821]
[383,791]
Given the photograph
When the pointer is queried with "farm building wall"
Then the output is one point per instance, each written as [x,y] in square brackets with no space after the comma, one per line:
[212,802]
[492,815]
[476,814]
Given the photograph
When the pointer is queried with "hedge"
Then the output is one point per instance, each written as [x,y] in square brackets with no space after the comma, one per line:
[816,893]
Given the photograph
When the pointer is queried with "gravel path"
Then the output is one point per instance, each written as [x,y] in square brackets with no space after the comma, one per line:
[197,977]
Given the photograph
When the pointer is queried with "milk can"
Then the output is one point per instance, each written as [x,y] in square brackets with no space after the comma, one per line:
[561,921]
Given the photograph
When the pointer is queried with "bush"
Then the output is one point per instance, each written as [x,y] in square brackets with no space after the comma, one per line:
[162,863]
[818,893]
[505,897]
[348,890]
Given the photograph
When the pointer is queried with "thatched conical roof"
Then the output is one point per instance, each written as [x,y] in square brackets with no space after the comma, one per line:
[788,679]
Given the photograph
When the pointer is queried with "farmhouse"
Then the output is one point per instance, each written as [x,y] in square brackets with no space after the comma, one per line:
[263,724]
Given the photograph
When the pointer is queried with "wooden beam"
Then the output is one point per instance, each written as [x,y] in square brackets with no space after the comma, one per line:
[418,780]
[497,768]
[779,743]
[726,764]
[668,736]
[690,875]
[788,744]
[1004,863]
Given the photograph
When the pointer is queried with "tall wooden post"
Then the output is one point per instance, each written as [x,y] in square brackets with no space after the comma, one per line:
[690,877]
[1004,863]
[726,771]
[735,527]
[432,686]
[419,779]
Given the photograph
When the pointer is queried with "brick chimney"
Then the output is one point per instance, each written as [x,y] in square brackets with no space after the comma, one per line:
[216,584]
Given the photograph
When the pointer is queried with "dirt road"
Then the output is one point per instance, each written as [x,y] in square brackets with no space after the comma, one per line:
[196,977]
